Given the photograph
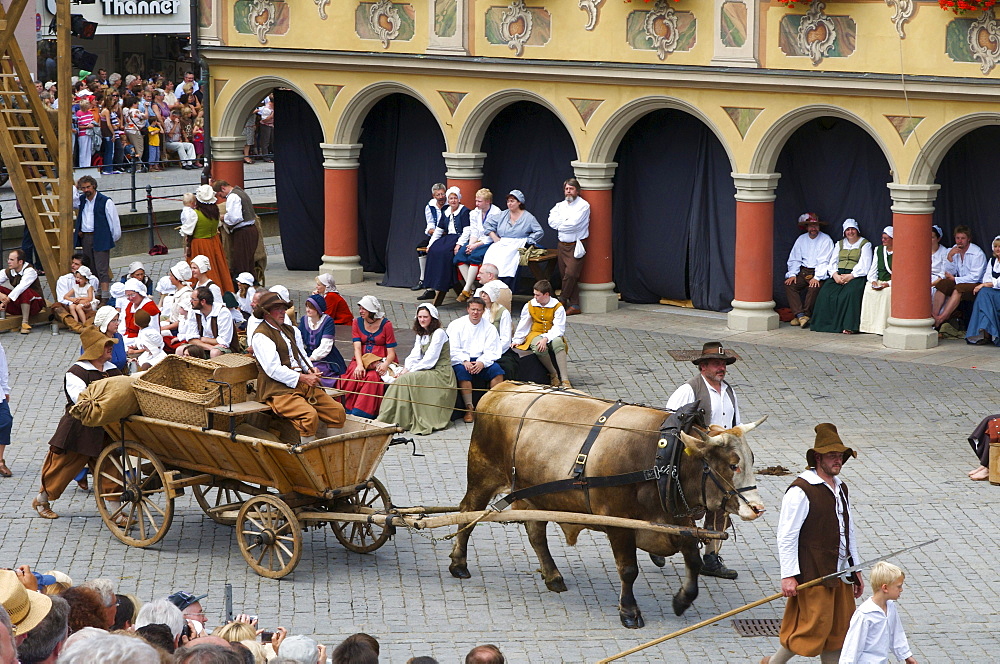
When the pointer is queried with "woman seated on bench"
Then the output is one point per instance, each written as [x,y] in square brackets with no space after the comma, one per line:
[514,229]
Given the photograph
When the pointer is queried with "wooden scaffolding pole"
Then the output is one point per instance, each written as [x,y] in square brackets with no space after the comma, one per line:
[65,130]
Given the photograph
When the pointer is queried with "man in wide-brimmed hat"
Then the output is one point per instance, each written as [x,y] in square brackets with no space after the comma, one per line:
[26,608]
[816,538]
[717,398]
[288,382]
[807,264]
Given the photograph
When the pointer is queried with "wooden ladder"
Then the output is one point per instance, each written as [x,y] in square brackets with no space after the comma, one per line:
[29,148]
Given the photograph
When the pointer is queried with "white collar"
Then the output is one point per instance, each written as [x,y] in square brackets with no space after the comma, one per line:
[813,477]
[553,301]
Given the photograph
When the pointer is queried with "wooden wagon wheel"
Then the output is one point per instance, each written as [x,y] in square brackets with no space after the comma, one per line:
[222,495]
[132,494]
[270,536]
[364,537]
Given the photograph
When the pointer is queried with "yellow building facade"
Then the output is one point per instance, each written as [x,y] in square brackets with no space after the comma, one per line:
[913,79]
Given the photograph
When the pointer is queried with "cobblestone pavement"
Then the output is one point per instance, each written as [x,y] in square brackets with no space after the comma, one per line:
[907,419]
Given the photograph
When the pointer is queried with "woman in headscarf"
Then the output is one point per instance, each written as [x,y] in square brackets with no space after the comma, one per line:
[136,270]
[200,267]
[318,335]
[440,273]
[838,305]
[107,320]
[474,242]
[422,399]
[373,337]
[984,324]
[513,229]
[336,306]
[200,229]
[499,317]
[875,305]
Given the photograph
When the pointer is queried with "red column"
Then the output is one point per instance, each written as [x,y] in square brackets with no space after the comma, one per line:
[468,187]
[340,206]
[597,264]
[230,171]
[227,159]
[754,251]
[911,267]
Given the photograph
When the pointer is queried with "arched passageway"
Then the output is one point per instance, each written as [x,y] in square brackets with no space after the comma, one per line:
[963,198]
[674,218]
[834,168]
[400,159]
[528,148]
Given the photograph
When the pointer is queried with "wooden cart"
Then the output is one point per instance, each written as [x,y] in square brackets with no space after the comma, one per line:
[270,490]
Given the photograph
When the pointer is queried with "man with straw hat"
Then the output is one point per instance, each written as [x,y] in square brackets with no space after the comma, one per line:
[73,446]
[807,263]
[716,397]
[26,608]
[287,380]
[816,538]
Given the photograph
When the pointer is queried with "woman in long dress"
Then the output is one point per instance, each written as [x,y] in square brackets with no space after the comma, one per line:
[200,228]
[318,335]
[838,306]
[876,305]
[372,334]
[474,242]
[514,229]
[984,324]
[440,273]
[421,400]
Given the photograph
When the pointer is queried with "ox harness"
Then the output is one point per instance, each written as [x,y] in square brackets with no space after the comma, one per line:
[665,470]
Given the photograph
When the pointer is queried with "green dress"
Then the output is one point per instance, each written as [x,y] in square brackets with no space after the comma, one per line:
[838,307]
[433,389]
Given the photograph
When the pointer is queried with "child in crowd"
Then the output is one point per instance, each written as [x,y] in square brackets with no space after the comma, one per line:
[875,626]
[154,148]
[81,300]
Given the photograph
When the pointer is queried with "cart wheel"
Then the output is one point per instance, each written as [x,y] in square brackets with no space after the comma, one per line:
[270,536]
[364,537]
[130,484]
[210,497]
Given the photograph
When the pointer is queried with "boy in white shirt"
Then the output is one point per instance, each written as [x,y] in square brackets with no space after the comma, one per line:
[875,626]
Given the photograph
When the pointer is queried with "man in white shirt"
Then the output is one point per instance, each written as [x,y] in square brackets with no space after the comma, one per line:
[718,399]
[208,329]
[475,349]
[97,228]
[287,381]
[64,287]
[807,265]
[188,81]
[432,213]
[967,263]
[18,287]
[241,223]
[571,218]
[816,538]
[540,329]
[489,277]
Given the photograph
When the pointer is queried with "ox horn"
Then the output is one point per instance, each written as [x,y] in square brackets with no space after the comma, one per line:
[744,429]
[697,445]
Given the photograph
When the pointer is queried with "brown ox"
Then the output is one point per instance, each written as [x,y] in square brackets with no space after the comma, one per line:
[545,445]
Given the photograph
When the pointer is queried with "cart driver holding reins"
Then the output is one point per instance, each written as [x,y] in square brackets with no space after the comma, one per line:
[287,381]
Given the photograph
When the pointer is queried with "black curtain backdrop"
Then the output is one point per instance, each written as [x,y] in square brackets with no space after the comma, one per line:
[298,181]
[959,200]
[674,213]
[834,168]
[400,160]
[528,148]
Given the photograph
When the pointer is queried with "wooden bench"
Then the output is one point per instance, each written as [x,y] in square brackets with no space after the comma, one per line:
[541,266]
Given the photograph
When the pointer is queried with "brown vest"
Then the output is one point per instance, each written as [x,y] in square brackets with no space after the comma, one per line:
[819,537]
[14,279]
[248,212]
[266,386]
[704,399]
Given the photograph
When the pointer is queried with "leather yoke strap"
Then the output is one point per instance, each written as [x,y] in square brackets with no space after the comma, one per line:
[581,459]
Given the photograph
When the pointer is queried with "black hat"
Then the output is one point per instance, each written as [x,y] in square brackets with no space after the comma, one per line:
[183,600]
[713,350]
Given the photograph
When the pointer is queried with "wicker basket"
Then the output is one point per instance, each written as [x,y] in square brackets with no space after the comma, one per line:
[235,367]
[177,390]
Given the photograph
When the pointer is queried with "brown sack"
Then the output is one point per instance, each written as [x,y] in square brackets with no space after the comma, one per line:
[106,401]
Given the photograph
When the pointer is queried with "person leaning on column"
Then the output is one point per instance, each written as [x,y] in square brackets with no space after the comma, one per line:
[571,218]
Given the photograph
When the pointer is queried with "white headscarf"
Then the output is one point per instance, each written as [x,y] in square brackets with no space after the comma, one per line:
[151,340]
[850,223]
[202,263]
[164,286]
[431,309]
[887,230]
[85,271]
[136,286]
[454,190]
[135,265]
[117,289]
[104,317]
[181,271]
[281,291]
[328,282]
[371,303]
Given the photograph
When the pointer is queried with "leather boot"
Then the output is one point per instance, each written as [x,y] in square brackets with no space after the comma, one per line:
[713,566]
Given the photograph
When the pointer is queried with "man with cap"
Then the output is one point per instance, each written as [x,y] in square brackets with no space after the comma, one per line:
[571,218]
[20,288]
[877,300]
[74,446]
[807,264]
[97,229]
[816,538]
[190,606]
[718,399]
[287,381]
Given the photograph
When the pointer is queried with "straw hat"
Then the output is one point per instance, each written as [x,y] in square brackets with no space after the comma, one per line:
[26,607]
[93,342]
[713,350]
[828,440]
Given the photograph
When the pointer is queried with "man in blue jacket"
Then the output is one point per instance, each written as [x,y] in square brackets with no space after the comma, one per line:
[97,229]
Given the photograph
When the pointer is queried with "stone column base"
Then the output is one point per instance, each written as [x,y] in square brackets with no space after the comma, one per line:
[752,317]
[345,269]
[910,334]
[598,298]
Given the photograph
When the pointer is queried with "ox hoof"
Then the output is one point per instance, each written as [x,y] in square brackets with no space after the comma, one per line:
[632,622]
[659,561]
[556,585]
[460,571]
[680,605]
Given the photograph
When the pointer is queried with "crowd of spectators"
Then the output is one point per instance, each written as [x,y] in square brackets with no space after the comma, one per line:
[47,619]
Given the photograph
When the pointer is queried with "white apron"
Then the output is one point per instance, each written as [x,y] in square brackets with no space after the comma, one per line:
[505,256]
